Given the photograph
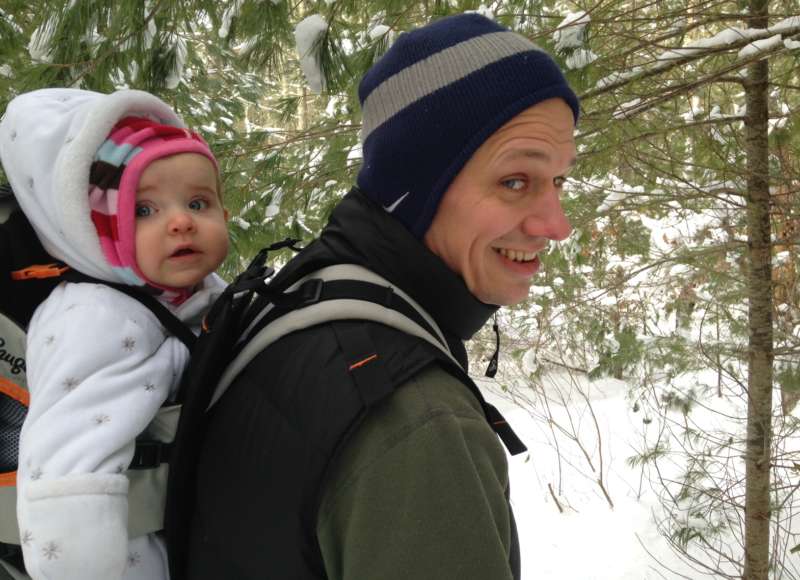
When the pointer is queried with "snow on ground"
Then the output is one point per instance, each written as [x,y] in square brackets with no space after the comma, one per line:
[590,540]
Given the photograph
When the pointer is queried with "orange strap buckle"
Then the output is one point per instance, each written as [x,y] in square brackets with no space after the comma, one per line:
[39,271]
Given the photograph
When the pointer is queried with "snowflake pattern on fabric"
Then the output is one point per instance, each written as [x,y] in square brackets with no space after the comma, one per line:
[51,551]
[128,343]
[27,538]
[70,384]
[36,474]
[134,559]
[49,339]
[149,387]
[101,419]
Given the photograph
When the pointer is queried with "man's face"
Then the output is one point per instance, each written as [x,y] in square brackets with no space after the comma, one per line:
[504,206]
[181,234]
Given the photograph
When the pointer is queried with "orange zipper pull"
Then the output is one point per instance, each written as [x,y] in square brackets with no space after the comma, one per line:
[39,271]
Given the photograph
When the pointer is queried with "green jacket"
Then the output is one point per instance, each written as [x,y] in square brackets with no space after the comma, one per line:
[426,460]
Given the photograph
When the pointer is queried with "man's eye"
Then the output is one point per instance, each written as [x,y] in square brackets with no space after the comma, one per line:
[514,184]
[143,210]
[198,204]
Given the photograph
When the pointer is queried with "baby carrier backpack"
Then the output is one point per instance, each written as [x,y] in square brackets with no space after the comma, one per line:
[247,318]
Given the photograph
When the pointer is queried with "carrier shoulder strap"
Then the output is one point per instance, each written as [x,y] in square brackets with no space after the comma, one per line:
[172,323]
[273,323]
[350,292]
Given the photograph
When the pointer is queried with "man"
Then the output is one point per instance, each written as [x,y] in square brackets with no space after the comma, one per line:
[351,450]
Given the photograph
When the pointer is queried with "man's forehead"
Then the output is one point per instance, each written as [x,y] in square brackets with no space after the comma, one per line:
[538,134]
[537,154]
[551,114]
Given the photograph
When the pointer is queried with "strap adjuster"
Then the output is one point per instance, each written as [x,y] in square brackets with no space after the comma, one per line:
[310,292]
[150,454]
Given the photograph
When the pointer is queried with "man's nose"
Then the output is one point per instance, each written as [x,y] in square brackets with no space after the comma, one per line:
[547,219]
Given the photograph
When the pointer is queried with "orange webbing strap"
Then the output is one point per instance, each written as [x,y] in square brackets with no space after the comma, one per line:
[39,271]
[14,391]
[8,388]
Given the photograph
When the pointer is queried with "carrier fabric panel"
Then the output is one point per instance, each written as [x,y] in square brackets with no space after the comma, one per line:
[13,396]
[14,399]
[12,414]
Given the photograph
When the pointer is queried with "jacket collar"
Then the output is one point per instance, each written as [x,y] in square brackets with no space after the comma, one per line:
[360,232]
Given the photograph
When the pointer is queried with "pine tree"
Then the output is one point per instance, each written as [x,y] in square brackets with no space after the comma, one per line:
[676,127]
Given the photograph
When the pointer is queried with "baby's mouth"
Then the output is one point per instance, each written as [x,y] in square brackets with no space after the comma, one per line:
[182,252]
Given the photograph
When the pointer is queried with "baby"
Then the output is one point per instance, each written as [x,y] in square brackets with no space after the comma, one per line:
[117,189]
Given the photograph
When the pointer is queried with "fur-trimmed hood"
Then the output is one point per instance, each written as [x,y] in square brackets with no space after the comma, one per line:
[48,140]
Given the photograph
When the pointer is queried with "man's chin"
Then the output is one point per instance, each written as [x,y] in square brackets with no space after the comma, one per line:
[506,297]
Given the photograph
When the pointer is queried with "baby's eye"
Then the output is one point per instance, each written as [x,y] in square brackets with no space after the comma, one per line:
[514,183]
[143,210]
[198,204]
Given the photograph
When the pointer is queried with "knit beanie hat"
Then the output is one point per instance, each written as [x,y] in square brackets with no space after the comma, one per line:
[133,144]
[436,95]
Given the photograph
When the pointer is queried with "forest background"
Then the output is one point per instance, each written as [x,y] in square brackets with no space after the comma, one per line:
[680,277]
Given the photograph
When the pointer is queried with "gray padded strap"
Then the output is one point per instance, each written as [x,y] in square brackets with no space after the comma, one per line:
[330,311]
[8,572]
[9,532]
[352,272]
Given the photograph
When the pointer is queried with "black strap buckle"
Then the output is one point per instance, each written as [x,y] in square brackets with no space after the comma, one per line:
[150,454]
[310,292]
[250,280]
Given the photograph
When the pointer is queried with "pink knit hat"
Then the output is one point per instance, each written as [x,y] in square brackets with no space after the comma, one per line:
[133,144]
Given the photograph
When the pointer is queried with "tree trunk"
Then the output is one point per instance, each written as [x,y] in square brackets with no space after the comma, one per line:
[759,408]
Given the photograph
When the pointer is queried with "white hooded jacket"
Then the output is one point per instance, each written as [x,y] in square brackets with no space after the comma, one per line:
[99,363]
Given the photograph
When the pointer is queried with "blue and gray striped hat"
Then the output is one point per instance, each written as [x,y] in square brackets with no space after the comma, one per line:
[434,98]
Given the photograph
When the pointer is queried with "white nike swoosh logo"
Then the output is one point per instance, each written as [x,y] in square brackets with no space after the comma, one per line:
[391,208]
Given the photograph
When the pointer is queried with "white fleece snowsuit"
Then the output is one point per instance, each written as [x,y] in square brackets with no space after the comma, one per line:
[99,364]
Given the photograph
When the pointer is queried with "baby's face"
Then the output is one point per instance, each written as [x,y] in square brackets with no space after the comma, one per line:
[181,234]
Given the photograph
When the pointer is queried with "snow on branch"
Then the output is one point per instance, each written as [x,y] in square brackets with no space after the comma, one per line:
[760,46]
[307,35]
[616,197]
[230,13]
[624,108]
[39,46]
[483,10]
[569,38]
[571,33]
[580,58]
[760,39]
[175,75]
[787,25]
